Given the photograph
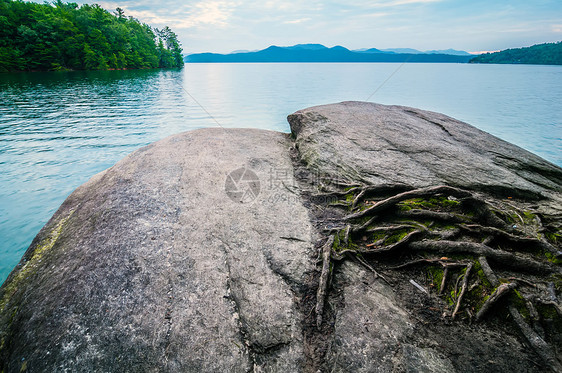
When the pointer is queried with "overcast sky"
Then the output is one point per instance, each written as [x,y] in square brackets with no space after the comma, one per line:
[472,25]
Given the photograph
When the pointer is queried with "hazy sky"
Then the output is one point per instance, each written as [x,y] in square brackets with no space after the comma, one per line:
[471,25]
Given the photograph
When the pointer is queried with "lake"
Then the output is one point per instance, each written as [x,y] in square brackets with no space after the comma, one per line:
[58,129]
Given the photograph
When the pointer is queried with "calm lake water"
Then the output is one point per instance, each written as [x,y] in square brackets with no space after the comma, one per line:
[59,129]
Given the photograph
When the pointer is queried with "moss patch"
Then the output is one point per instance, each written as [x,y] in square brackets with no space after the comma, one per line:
[518,301]
[339,245]
[434,203]
[397,236]
[33,263]
[553,237]
[528,216]
[552,258]
[483,279]
[435,276]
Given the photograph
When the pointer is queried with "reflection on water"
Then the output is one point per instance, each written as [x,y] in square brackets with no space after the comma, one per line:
[59,129]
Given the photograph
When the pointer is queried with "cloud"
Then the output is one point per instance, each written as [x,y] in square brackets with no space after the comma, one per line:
[373,15]
[277,5]
[406,2]
[215,13]
[203,14]
[388,3]
[223,25]
[301,20]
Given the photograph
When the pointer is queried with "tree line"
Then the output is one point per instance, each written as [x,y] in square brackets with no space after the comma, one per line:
[64,36]
[539,54]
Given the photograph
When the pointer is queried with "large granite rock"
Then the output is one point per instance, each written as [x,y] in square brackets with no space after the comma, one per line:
[379,144]
[150,266]
[199,253]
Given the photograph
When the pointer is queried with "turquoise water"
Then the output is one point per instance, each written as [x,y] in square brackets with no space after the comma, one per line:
[59,129]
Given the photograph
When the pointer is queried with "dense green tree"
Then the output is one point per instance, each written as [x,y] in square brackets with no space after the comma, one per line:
[540,54]
[59,36]
[169,49]
[173,46]
[165,58]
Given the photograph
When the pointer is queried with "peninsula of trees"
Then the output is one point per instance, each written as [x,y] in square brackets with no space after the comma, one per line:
[540,54]
[64,36]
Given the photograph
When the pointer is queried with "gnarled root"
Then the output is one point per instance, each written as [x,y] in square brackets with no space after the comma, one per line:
[416,193]
[493,299]
[463,289]
[537,343]
[408,227]
[323,282]
[503,257]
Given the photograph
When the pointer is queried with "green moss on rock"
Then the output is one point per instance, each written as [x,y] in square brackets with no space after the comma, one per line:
[432,203]
[435,275]
[31,264]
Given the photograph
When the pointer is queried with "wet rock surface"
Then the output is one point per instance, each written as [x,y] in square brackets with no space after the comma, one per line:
[200,253]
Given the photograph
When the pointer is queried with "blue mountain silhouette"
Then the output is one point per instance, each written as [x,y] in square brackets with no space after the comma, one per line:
[321,53]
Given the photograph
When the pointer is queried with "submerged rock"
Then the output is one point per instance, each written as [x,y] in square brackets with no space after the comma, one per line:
[200,253]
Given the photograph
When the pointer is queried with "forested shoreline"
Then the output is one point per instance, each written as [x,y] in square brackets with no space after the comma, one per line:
[539,54]
[63,36]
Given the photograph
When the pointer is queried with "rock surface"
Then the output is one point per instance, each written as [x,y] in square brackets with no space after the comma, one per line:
[379,144]
[152,267]
[161,264]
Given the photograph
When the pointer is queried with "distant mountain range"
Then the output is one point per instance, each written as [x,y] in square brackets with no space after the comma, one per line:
[321,53]
[415,51]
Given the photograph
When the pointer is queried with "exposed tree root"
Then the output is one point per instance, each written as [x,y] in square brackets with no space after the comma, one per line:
[323,282]
[483,212]
[493,299]
[443,281]
[442,261]
[416,193]
[463,289]
[556,305]
[522,281]
[432,215]
[490,275]
[389,229]
[406,227]
[537,343]
[370,268]
[525,243]
[503,257]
